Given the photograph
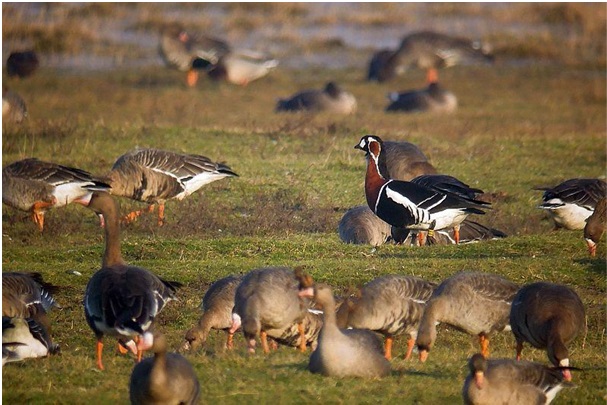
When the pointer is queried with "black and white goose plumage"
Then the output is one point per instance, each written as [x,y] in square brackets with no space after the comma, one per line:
[571,202]
[432,202]
[121,300]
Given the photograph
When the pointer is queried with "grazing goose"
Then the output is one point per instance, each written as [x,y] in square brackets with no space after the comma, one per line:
[189,53]
[476,303]
[154,176]
[267,304]
[121,300]
[414,205]
[434,99]
[361,226]
[430,51]
[348,352]
[241,67]
[331,98]
[13,107]
[547,316]
[27,295]
[595,226]
[22,64]
[167,378]
[390,305]
[24,338]
[510,382]
[217,305]
[571,202]
[36,186]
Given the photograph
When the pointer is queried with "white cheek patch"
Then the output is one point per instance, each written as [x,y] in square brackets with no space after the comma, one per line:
[362,143]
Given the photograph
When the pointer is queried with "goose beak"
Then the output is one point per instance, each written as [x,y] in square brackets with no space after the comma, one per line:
[423,355]
[479,377]
[591,247]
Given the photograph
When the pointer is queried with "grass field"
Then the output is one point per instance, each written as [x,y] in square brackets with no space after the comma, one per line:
[517,127]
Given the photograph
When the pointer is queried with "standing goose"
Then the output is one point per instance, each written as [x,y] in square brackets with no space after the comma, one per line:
[167,378]
[121,300]
[154,176]
[476,303]
[217,305]
[267,304]
[331,98]
[510,382]
[595,226]
[27,295]
[390,305]
[36,186]
[548,316]
[24,338]
[348,352]
[189,53]
[414,206]
[434,99]
[571,202]
[361,226]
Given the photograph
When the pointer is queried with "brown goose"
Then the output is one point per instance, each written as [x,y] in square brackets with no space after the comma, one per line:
[24,338]
[405,161]
[476,303]
[167,378]
[121,300]
[27,295]
[433,99]
[595,226]
[390,305]
[241,67]
[571,202]
[267,304]
[361,226]
[217,305]
[510,382]
[547,316]
[22,64]
[189,52]
[331,98]
[312,324]
[36,186]
[155,176]
[13,106]
[347,352]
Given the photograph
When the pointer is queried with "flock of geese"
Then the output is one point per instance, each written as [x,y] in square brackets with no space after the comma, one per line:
[407,201]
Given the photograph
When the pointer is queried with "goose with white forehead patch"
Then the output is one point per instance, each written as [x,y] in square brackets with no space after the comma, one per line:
[432,203]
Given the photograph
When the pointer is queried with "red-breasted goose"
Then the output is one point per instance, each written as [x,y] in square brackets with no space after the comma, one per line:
[331,98]
[344,352]
[267,303]
[435,203]
[217,305]
[390,305]
[547,316]
[166,378]
[510,382]
[121,300]
[595,226]
[476,303]
[36,186]
[571,202]
[189,52]
[154,176]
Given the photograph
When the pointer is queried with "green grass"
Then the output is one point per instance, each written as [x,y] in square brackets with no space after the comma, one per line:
[516,128]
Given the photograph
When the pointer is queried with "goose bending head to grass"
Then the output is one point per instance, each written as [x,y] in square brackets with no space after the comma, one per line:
[344,352]
[510,382]
[548,316]
[166,378]
[595,226]
[155,176]
[476,303]
[121,300]
[36,186]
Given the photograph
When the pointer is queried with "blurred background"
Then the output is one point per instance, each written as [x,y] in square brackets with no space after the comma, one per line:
[101,36]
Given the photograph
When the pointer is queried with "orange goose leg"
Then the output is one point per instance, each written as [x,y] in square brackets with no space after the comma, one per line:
[519,350]
[432,75]
[192,78]
[388,347]
[484,341]
[99,350]
[127,219]
[122,349]
[230,341]
[456,234]
[264,341]
[161,214]
[302,337]
[410,345]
